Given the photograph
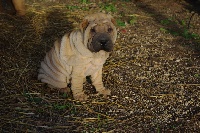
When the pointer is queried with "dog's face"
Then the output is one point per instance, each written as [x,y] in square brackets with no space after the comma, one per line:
[100,38]
[99,32]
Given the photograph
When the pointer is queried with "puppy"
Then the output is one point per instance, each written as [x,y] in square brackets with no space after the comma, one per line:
[79,54]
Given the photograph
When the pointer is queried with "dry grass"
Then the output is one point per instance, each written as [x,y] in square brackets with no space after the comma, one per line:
[154,80]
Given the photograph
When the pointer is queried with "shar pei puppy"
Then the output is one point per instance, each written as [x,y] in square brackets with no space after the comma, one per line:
[79,54]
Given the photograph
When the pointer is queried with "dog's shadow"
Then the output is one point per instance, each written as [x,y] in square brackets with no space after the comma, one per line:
[24,42]
[56,25]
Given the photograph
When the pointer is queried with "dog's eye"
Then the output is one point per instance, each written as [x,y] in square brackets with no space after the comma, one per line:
[110,30]
[92,30]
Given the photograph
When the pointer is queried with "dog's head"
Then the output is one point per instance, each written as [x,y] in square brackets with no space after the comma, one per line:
[99,32]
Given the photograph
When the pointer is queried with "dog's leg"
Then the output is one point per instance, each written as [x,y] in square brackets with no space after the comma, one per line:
[19,7]
[77,83]
[98,84]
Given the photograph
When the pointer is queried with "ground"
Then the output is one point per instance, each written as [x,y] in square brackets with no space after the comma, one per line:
[153,72]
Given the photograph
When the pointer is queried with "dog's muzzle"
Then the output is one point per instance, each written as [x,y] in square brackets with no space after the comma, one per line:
[101,41]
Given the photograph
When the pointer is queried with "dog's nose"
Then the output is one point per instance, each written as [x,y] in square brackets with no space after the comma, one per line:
[103,42]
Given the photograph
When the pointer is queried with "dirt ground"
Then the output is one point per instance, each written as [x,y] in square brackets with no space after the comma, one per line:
[153,72]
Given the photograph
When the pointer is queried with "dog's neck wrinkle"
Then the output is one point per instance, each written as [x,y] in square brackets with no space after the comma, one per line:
[76,41]
[100,57]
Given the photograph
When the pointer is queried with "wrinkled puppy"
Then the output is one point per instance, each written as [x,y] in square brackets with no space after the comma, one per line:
[79,54]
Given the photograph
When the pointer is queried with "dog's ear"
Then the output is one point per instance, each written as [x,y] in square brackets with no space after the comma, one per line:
[83,25]
[113,21]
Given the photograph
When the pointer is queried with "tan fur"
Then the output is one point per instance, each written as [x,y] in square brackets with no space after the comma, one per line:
[71,60]
[19,7]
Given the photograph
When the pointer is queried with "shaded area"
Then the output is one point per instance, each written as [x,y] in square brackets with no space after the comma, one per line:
[174,25]
[194,5]
[23,44]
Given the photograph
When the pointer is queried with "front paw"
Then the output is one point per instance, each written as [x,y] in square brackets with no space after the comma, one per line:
[81,97]
[105,92]
[65,90]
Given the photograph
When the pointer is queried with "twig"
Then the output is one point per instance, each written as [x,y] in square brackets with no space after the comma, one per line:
[92,111]
[188,26]
[133,15]
[192,67]
[10,121]
[162,95]
[22,73]
[14,95]
[20,42]
[189,84]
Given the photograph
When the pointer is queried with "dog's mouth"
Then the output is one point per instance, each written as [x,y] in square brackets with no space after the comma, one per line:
[101,41]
